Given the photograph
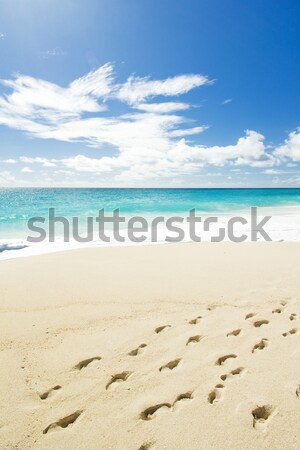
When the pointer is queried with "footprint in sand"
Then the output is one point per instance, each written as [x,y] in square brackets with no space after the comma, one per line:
[149,413]
[277,311]
[249,315]
[233,373]
[118,378]
[185,396]
[293,316]
[137,350]
[259,323]
[215,395]
[46,394]
[211,307]
[260,415]
[64,422]
[292,331]
[161,328]
[82,364]
[220,361]
[146,446]
[194,339]
[260,345]
[234,332]
[195,321]
[298,391]
[170,365]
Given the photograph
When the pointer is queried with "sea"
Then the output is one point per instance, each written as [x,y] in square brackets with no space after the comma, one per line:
[19,206]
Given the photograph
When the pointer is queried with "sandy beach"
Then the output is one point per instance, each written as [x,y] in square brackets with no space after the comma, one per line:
[180,346]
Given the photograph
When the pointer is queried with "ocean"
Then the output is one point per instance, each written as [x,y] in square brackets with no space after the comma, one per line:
[18,205]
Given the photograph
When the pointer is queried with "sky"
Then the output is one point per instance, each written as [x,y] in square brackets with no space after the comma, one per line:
[149,93]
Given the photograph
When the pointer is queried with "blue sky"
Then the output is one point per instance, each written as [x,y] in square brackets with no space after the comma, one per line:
[149,93]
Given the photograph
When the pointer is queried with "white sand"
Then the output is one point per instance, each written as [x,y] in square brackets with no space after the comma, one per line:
[59,310]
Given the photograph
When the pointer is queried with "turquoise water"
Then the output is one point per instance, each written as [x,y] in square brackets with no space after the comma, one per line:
[18,205]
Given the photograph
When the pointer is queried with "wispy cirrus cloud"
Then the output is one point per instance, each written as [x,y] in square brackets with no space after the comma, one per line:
[137,89]
[188,131]
[162,108]
[36,105]
[226,101]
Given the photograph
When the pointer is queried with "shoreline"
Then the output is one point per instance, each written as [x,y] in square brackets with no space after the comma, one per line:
[283,226]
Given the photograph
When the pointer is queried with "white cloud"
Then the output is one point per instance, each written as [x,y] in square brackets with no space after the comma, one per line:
[188,131]
[82,163]
[161,108]
[26,170]
[97,83]
[226,101]
[44,161]
[138,89]
[6,178]
[291,147]
[9,161]
[278,171]
[249,150]
[170,157]
[287,181]
[272,172]
[148,141]
[2,36]
[36,106]
[46,110]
